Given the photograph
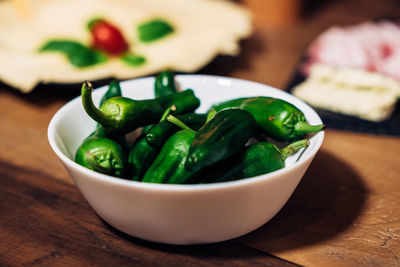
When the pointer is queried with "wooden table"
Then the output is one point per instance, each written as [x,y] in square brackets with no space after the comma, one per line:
[343,213]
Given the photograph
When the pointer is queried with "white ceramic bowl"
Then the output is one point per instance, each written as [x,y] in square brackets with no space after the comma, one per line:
[182,214]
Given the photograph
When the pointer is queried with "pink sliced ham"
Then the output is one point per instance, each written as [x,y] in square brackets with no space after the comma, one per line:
[372,46]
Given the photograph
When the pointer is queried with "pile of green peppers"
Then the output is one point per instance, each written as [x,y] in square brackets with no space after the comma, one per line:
[235,139]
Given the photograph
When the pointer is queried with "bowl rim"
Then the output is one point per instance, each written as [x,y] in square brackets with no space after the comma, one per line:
[56,118]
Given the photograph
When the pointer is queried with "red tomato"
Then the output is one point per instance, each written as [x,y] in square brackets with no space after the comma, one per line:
[107,38]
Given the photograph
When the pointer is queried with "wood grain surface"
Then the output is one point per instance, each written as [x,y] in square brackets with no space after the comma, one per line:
[47,222]
[343,213]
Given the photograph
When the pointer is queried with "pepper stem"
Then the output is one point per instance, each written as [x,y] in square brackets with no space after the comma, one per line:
[303,127]
[211,114]
[293,148]
[178,122]
[90,108]
[167,112]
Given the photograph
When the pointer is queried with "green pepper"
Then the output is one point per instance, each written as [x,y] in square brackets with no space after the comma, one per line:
[164,84]
[101,154]
[279,119]
[141,156]
[120,115]
[169,165]
[160,132]
[256,159]
[222,136]
[114,90]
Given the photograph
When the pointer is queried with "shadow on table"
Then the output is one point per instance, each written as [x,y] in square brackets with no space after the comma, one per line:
[215,254]
[328,199]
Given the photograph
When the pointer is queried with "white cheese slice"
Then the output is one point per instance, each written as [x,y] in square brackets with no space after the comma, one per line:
[354,92]
[353,77]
